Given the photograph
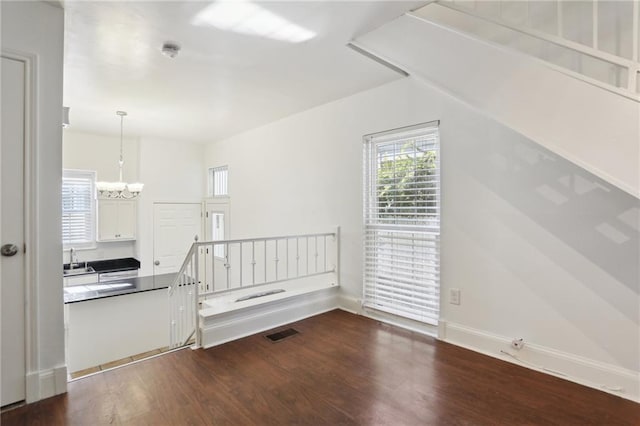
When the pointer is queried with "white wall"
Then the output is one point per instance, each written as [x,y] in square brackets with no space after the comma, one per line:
[86,151]
[540,248]
[36,28]
[172,171]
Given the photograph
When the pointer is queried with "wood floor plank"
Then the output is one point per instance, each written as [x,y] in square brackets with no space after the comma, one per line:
[341,369]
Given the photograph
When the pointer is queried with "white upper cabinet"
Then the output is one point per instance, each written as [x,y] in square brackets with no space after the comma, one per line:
[116,220]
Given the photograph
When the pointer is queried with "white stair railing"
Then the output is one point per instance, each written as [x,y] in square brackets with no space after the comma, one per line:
[183,301]
[587,60]
[230,265]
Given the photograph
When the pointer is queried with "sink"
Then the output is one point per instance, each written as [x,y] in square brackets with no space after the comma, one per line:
[78,271]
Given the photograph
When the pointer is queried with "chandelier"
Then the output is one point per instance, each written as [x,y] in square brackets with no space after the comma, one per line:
[119,189]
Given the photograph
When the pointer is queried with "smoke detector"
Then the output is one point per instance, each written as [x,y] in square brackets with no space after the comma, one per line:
[170,49]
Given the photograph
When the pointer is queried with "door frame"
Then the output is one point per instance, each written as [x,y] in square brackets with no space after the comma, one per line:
[30,178]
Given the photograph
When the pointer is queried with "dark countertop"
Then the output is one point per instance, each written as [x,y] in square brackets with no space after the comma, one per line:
[101,290]
[110,265]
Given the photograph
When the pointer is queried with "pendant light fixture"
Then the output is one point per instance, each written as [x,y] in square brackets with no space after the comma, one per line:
[119,189]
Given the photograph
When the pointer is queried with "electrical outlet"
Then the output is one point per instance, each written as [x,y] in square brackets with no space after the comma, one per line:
[517,344]
[454,296]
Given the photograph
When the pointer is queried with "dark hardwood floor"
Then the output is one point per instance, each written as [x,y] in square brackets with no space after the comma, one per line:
[340,369]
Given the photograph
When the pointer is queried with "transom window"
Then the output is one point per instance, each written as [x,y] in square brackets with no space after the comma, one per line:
[219,181]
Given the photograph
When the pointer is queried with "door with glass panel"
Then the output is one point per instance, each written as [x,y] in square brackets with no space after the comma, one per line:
[216,260]
[402,222]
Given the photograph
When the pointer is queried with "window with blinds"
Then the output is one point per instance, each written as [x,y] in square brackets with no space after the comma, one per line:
[219,181]
[78,208]
[402,222]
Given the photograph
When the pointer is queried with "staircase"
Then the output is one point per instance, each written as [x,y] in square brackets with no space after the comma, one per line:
[594,41]
[541,68]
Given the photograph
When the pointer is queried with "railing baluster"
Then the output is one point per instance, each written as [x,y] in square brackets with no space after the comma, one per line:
[635,33]
[187,301]
[195,289]
[172,320]
[253,262]
[560,17]
[276,259]
[325,253]
[316,252]
[240,264]
[226,262]
[594,23]
[213,266]
[182,305]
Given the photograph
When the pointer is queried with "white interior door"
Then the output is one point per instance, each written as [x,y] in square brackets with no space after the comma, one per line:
[217,228]
[175,226]
[12,265]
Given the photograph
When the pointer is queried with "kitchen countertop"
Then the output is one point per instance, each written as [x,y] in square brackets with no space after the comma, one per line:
[109,265]
[101,290]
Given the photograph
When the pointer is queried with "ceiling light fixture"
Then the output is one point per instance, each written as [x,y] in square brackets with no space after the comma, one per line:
[246,17]
[119,189]
[170,49]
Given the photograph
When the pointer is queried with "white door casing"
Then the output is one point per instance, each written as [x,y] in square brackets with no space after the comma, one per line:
[12,231]
[175,226]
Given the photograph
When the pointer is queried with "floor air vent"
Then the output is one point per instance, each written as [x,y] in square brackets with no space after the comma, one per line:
[276,337]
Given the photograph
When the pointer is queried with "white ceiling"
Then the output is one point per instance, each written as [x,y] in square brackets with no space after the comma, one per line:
[222,82]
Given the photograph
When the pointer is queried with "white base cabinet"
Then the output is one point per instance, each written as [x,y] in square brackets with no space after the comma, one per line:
[109,329]
[116,220]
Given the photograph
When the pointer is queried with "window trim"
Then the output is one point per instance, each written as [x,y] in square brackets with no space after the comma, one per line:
[82,174]
[384,240]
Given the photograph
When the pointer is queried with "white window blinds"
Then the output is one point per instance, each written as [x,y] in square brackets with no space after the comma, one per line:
[402,222]
[219,181]
[78,208]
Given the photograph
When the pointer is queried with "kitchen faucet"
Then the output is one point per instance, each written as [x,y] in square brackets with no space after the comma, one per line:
[73,258]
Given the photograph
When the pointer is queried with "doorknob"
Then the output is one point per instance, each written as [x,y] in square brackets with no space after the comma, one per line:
[157,262]
[9,250]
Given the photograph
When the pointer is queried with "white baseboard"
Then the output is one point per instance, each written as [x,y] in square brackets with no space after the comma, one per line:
[46,383]
[349,304]
[598,375]
[608,378]
[225,327]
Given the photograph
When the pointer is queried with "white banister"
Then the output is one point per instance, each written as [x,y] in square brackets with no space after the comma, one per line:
[189,288]
[630,65]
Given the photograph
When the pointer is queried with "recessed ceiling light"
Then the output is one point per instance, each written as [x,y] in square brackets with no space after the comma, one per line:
[170,49]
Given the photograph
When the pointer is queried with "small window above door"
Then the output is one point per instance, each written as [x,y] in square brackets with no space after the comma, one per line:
[219,181]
